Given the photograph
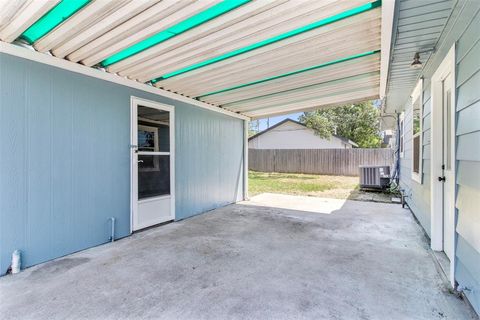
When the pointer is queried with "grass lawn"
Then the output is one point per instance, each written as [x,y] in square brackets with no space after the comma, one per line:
[339,187]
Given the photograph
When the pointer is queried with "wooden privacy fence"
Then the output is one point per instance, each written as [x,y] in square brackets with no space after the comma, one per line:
[343,162]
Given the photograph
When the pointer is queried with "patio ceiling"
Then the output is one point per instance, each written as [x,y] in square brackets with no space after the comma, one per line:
[419,26]
[257,58]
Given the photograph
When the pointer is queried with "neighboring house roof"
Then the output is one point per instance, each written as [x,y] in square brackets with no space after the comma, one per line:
[345,140]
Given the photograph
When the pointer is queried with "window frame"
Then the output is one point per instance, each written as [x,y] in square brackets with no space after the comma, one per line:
[417,94]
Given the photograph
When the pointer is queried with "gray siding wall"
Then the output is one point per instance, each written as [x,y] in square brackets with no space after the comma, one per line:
[65,160]
[468,160]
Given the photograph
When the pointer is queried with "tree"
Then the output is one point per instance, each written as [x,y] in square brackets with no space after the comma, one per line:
[253,128]
[358,122]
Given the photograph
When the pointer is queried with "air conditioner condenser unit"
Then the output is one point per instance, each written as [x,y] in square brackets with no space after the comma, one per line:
[374,177]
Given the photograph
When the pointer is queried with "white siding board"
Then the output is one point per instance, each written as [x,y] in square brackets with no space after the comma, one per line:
[469,219]
[467,66]
[468,92]
[468,146]
[468,174]
[469,38]
[468,119]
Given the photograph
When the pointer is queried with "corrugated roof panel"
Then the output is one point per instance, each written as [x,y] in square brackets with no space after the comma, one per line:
[208,32]
[27,15]
[306,93]
[284,57]
[121,36]
[333,72]
[247,58]
[61,12]
[290,74]
[105,23]
[279,19]
[179,28]
[351,95]
[92,13]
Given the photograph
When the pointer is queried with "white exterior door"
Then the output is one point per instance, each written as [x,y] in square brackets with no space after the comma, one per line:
[442,139]
[152,164]
[448,177]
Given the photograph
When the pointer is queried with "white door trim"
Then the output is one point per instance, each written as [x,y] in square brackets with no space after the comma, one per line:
[134,102]
[446,67]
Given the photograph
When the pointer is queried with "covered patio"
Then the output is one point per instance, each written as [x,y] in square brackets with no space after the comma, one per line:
[274,257]
[74,75]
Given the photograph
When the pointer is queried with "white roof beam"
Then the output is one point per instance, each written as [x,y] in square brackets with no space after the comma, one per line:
[388,11]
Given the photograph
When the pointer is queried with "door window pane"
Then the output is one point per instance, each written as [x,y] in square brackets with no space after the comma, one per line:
[153,176]
[153,130]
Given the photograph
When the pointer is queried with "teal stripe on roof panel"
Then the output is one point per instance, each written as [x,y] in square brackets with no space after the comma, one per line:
[328,82]
[326,64]
[190,23]
[61,12]
[320,23]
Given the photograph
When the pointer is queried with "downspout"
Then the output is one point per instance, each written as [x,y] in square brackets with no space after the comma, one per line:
[396,170]
[396,165]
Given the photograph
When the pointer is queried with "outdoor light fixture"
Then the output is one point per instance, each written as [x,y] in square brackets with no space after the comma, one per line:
[416,64]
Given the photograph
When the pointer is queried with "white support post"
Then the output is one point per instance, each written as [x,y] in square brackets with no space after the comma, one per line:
[245,159]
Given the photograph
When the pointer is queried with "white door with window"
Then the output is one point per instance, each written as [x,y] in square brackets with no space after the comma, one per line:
[448,177]
[152,156]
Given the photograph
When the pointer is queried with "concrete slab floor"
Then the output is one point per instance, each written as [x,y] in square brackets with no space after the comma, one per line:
[327,259]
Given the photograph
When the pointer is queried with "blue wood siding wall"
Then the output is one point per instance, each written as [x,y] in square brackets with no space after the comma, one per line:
[418,194]
[65,160]
[468,161]
[467,155]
